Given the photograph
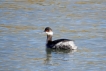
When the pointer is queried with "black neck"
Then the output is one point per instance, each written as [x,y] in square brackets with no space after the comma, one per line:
[49,38]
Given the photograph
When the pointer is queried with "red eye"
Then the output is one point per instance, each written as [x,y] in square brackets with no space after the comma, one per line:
[47,30]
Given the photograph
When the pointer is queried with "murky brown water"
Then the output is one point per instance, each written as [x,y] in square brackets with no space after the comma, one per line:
[22,41]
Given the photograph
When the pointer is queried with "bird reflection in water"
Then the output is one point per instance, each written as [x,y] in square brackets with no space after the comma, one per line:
[64,53]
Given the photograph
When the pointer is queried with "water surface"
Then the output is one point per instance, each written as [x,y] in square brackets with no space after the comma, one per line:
[22,41]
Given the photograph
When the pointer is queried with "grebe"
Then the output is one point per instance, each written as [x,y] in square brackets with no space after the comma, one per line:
[59,43]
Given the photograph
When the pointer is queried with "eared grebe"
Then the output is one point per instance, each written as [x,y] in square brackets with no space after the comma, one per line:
[59,43]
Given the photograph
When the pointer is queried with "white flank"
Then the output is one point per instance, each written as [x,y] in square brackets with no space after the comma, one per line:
[68,43]
[49,33]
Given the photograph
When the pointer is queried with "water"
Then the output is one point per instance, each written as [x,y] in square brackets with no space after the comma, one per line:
[22,41]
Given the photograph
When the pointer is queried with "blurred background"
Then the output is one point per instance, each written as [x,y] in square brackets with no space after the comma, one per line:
[22,40]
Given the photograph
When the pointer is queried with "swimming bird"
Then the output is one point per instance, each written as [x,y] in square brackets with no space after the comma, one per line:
[65,44]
